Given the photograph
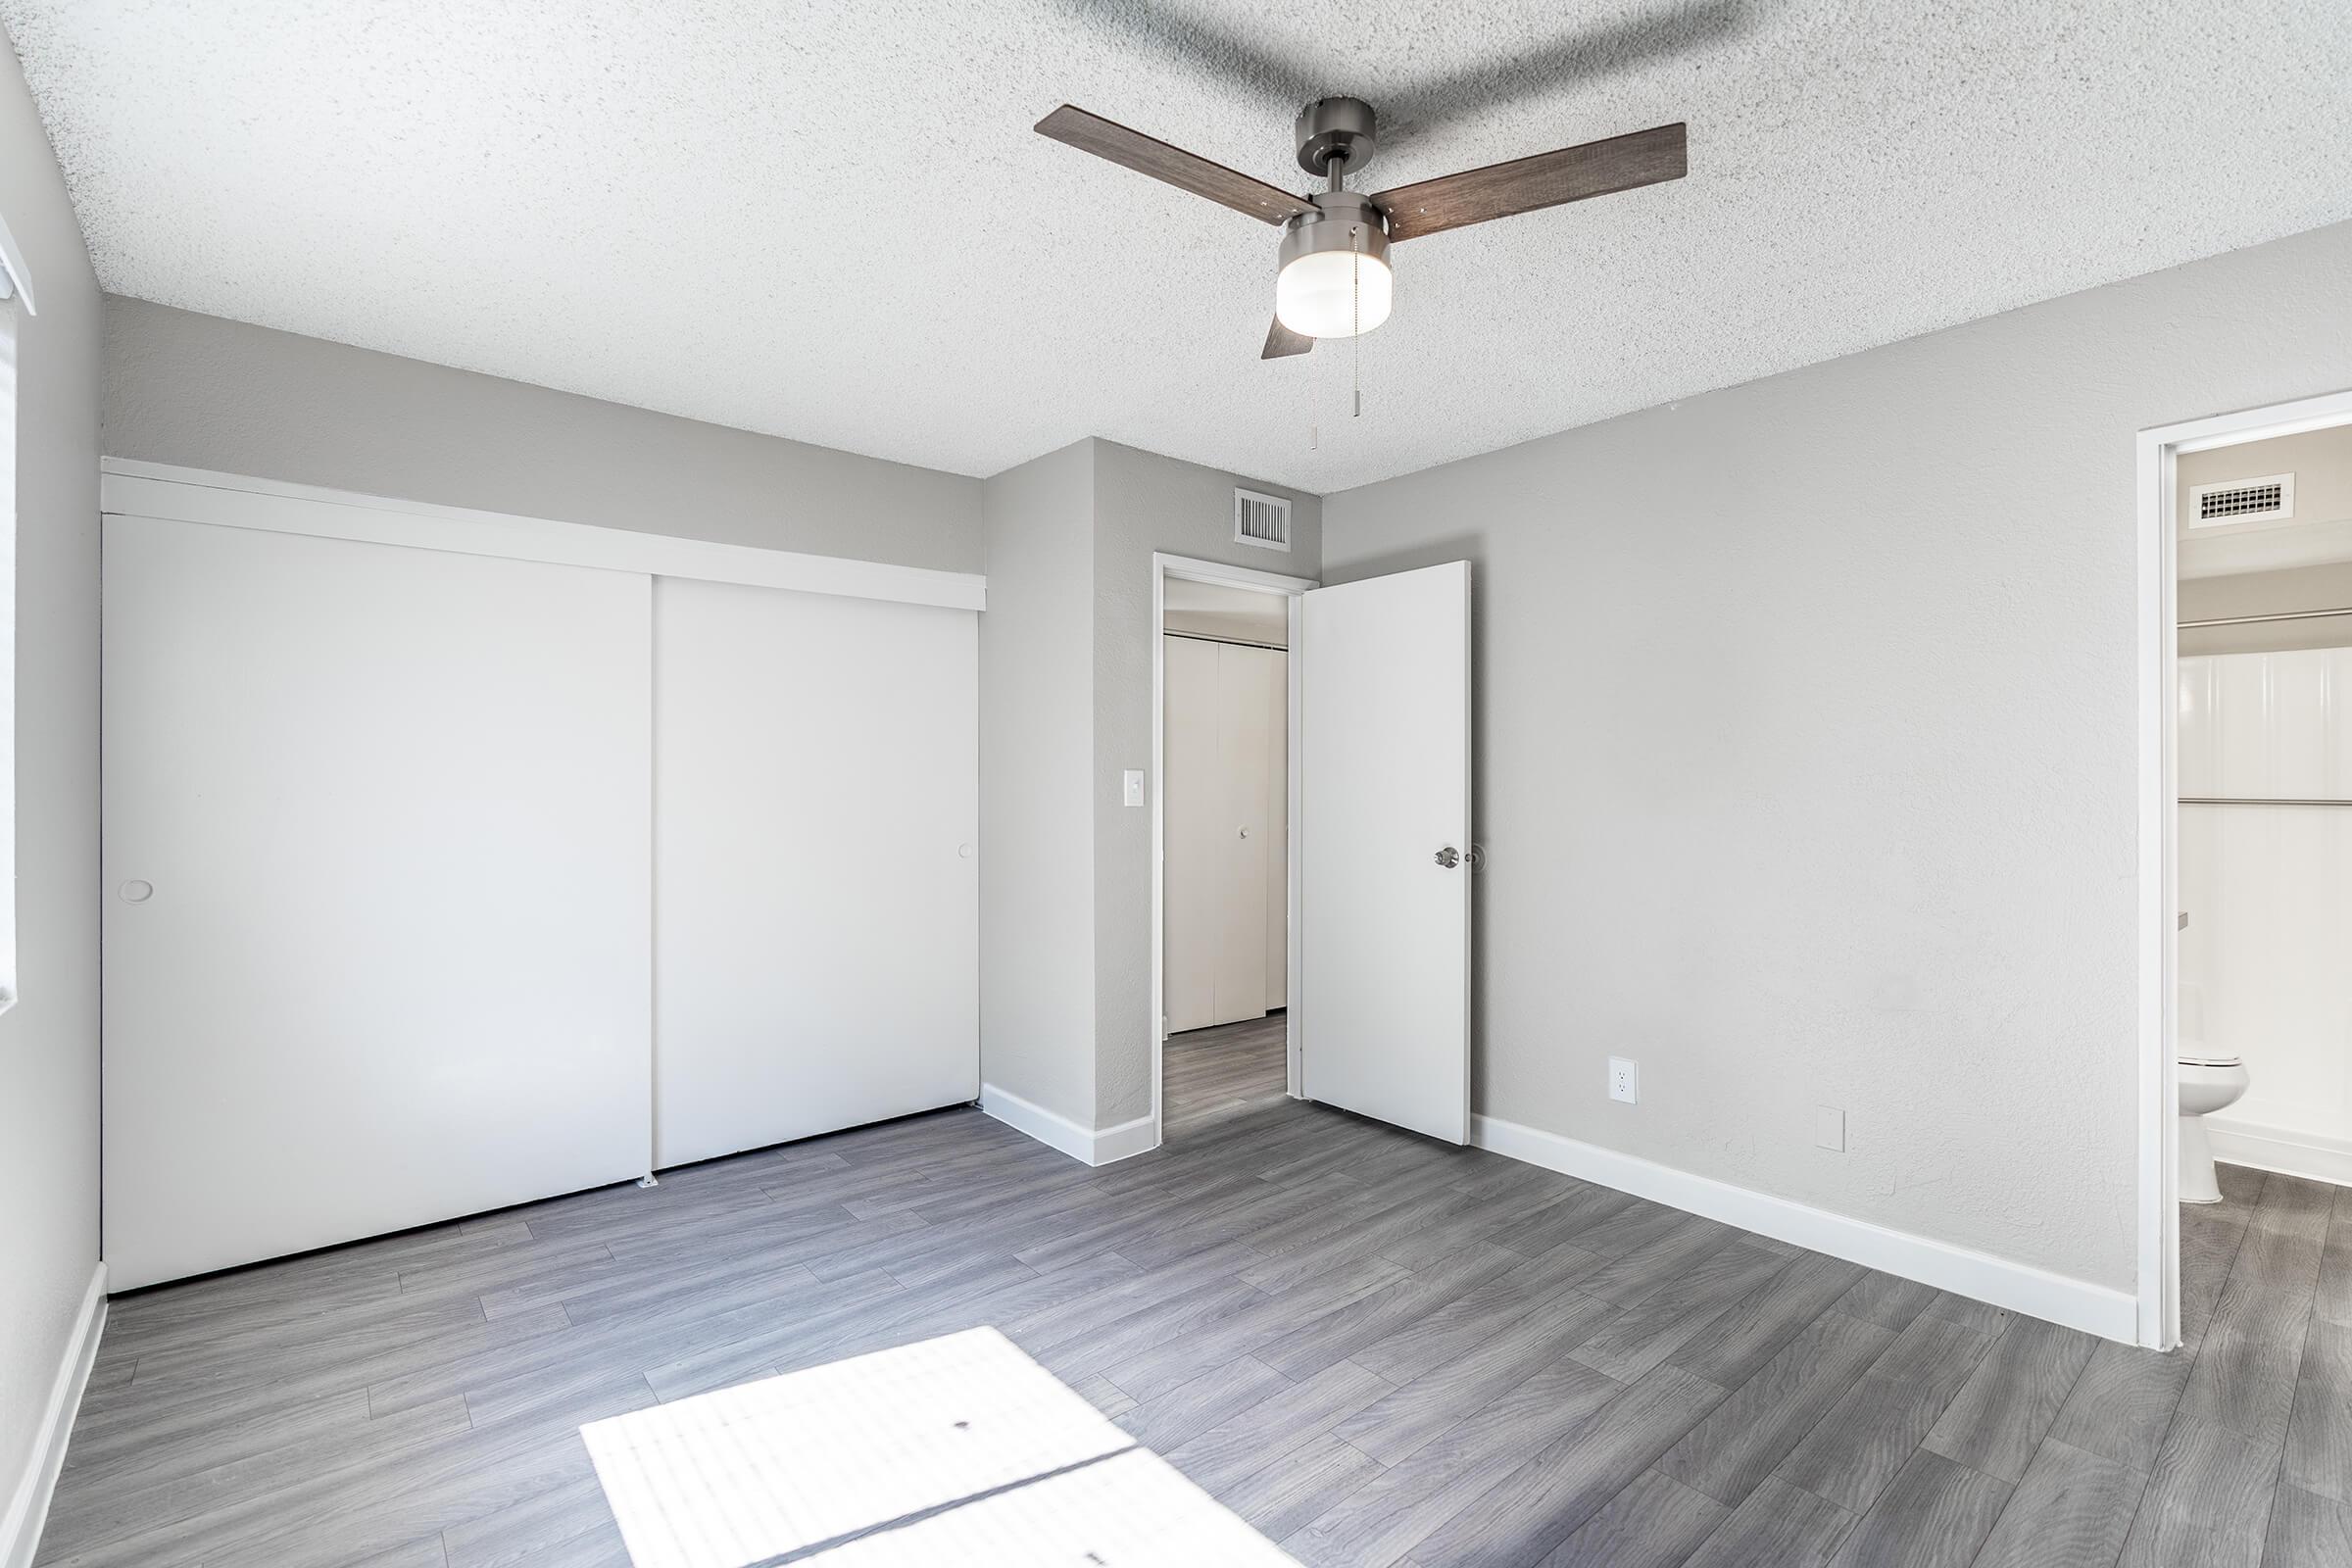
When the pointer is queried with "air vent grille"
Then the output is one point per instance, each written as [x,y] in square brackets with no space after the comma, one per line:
[2269,499]
[2245,500]
[1261,519]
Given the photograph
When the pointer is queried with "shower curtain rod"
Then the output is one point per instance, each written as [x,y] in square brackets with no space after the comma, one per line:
[1234,642]
[2251,620]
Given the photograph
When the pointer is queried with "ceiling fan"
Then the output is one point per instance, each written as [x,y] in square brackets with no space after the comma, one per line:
[1334,279]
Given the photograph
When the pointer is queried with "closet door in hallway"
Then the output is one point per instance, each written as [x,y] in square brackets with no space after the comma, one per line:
[1225,825]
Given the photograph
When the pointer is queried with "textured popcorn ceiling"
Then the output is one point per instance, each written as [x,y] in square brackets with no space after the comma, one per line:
[832,221]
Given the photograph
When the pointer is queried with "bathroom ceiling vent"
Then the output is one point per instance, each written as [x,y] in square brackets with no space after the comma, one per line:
[1262,520]
[2266,500]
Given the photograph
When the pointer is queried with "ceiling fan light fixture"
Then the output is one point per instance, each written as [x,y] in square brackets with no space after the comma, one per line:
[1334,294]
[1335,280]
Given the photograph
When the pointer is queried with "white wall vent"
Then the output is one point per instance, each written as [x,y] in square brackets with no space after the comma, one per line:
[1262,520]
[2271,499]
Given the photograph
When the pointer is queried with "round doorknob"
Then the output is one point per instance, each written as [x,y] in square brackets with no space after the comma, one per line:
[1449,857]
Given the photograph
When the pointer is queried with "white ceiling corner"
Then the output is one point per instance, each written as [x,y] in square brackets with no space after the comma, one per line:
[832,221]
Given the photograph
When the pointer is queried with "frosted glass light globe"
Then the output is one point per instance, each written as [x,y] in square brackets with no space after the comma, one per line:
[1333,293]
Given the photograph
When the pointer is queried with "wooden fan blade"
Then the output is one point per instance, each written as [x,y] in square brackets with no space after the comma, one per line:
[1282,342]
[1525,184]
[1146,155]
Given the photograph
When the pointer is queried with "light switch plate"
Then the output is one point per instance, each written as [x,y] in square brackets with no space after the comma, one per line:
[1829,1128]
[1135,786]
[1625,1080]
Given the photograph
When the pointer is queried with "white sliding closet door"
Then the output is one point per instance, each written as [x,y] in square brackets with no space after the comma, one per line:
[817,816]
[376,908]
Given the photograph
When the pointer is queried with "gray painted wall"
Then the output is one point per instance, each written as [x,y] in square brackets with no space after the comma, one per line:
[49,1041]
[1146,503]
[215,394]
[1037,914]
[1806,750]
[1065,709]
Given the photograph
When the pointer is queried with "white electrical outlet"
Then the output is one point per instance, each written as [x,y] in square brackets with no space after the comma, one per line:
[1829,1128]
[1625,1080]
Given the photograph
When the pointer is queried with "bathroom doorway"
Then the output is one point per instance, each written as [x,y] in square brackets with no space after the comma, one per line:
[2246,769]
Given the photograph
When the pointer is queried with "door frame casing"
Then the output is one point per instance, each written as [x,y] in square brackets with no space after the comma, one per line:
[2159,647]
[1193,569]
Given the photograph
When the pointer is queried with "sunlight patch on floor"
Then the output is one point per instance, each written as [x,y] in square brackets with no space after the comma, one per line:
[955,1449]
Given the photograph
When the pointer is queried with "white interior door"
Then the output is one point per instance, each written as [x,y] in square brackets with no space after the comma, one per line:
[1384,833]
[377,889]
[816,823]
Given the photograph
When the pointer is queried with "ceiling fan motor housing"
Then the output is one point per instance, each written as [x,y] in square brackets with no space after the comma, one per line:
[1338,130]
[1342,221]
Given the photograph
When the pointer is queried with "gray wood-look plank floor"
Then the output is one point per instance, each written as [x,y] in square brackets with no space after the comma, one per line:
[1375,1348]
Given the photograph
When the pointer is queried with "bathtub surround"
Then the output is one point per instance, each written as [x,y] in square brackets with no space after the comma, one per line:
[2265,959]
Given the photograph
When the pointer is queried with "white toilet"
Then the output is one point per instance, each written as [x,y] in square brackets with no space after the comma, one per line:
[2209,1081]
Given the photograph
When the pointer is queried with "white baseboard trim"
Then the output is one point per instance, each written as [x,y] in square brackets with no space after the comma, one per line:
[28,1503]
[1126,1140]
[1056,1131]
[2019,1287]
[2280,1149]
